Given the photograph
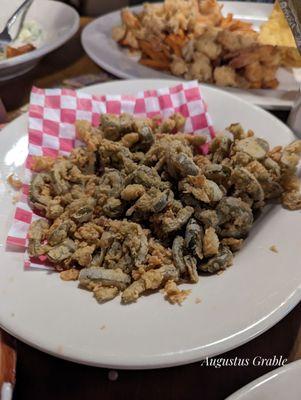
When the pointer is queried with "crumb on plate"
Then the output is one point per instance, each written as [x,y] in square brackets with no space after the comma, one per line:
[14,182]
[16,198]
[173,294]
[274,249]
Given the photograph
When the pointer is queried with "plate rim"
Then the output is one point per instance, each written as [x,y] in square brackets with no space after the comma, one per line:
[189,356]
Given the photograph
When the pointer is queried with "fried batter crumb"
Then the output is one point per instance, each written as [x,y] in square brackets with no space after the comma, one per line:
[102,327]
[14,182]
[16,198]
[173,294]
[103,294]
[130,139]
[211,242]
[69,275]
[233,243]
[292,200]
[137,273]
[274,249]
[132,192]
[197,300]
[42,163]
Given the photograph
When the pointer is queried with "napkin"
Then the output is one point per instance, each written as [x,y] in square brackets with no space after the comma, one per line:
[51,132]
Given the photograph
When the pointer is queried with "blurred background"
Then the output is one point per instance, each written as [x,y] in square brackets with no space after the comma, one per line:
[99,7]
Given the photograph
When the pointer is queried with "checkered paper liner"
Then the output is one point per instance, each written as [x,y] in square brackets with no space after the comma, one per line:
[52,116]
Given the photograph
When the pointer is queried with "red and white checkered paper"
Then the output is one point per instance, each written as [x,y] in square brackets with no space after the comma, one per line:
[52,116]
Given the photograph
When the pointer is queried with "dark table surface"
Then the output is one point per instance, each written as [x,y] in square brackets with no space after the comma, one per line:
[40,376]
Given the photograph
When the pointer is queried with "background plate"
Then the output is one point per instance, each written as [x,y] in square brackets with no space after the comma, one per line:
[58,21]
[97,42]
[281,383]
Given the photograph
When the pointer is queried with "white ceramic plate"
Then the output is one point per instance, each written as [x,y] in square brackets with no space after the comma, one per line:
[259,290]
[97,42]
[281,383]
[59,23]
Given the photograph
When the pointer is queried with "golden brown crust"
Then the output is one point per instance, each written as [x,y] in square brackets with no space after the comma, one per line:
[14,182]
[173,294]
[193,40]
[70,274]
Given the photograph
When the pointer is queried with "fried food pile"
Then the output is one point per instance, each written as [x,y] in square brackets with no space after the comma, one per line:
[193,40]
[138,208]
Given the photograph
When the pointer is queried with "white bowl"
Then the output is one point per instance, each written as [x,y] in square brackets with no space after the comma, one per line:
[59,22]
